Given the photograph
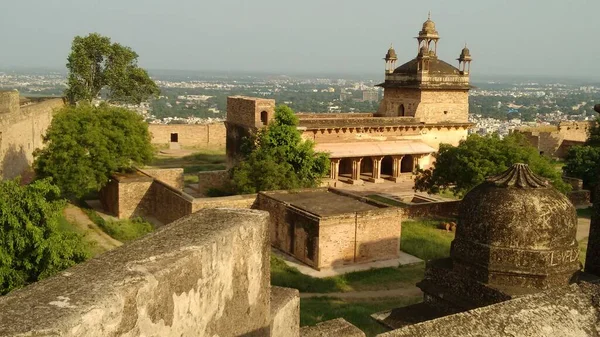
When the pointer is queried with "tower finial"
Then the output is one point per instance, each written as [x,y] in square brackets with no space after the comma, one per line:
[429,16]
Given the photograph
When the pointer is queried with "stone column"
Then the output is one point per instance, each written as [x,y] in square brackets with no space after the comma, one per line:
[396,168]
[417,158]
[334,168]
[376,176]
[356,172]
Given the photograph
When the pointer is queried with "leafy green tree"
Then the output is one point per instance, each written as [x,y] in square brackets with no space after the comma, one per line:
[85,145]
[96,64]
[463,167]
[278,158]
[583,162]
[31,245]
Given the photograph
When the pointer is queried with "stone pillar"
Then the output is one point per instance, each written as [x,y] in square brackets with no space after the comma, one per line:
[356,172]
[334,168]
[416,159]
[396,168]
[376,176]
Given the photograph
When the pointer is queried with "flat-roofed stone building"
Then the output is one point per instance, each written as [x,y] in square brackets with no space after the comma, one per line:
[425,103]
[324,229]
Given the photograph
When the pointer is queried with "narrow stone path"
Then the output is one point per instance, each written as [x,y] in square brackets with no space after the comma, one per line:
[89,229]
[402,292]
[583,228]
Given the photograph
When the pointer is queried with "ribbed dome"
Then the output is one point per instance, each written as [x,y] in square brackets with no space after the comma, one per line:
[391,54]
[515,229]
[429,26]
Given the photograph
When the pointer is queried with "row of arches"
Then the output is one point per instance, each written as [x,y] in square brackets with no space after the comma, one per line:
[366,166]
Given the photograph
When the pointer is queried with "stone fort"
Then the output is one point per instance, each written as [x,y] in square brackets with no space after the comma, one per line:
[425,103]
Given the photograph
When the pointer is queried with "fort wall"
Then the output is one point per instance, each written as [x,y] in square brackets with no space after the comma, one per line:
[21,131]
[204,275]
[212,179]
[429,106]
[557,142]
[189,135]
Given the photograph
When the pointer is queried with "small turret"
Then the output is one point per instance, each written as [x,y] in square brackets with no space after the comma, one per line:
[390,60]
[464,60]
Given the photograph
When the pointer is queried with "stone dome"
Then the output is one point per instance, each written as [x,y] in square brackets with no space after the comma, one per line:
[515,229]
[429,26]
[391,54]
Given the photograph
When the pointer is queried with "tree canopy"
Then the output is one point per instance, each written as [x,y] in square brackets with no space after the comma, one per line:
[85,145]
[278,158]
[32,246]
[583,162]
[463,167]
[95,64]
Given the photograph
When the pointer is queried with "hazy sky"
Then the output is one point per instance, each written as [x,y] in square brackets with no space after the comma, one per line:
[532,37]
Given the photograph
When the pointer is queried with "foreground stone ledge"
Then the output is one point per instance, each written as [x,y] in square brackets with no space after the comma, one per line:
[206,274]
[285,312]
[332,328]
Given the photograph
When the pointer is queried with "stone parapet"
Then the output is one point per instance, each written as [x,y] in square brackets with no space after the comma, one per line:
[332,328]
[285,312]
[204,275]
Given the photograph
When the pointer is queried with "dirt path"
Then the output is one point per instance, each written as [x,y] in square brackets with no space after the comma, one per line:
[410,291]
[92,232]
[583,228]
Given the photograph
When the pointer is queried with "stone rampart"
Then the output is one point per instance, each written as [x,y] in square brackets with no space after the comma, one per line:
[21,132]
[173,176]
[210,136]
[212,179]
[203,275]
[246,201]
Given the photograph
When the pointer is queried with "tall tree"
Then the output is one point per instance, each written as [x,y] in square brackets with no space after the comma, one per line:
[462,167]
[85,145]
[96,64]
[32,246]
[278,158]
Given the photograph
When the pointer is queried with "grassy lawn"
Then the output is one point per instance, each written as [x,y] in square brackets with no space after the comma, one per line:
[65,226]
[122,230]
[206,160]
[315,310]
[425,240]
[373,279]
[583,250]
[585,212]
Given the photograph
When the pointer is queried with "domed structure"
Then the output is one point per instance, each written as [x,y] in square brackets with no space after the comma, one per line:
[516,230]
[465,54]
[428,28]
[391,54]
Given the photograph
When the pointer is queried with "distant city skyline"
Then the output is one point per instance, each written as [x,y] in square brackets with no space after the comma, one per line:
[531,38]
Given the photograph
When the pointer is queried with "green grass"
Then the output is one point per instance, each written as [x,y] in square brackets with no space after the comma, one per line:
[374,279]
[190,178]
[122,230]
[585,212]
[206,160]
[425,240]
[65,226]
[583,250]
[448,194]
[315,310]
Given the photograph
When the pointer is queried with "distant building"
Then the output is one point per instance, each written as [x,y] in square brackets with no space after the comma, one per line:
[370,96]
[425,103]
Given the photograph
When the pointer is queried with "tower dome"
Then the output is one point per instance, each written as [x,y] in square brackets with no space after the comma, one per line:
[515,230]
[391,54]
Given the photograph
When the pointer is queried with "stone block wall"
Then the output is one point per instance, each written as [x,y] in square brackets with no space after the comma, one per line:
[246,111]
[168,203]
[378,235]
[212,179]
[172,176]
[210,136]
[128,195]
[442,209]
[21,132]
[429,106]
[246,201]
[9,101]
[204,275]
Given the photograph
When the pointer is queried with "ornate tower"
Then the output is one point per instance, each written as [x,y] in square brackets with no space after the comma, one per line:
[390,60]
[426,88]
[464,61]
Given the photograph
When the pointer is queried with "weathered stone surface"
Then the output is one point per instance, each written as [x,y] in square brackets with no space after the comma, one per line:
[592,259]
[561,312]
[211,136]
[170,176]
[332,328]
[515,230]
[204,275]
[285,312]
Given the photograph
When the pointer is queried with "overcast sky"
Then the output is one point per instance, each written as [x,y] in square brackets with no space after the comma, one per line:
[531,37]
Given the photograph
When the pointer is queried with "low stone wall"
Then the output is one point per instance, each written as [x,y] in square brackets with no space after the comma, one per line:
[576,183]
[168,203]
[580,198]
[189,135]
[442,209]
[172,176]
[212,179]
[204,275]
[246,201]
